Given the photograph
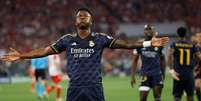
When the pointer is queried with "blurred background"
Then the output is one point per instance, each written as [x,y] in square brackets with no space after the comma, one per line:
[26,24]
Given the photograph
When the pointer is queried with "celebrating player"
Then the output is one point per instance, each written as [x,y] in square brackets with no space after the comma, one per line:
[83,49]
[197,70]
[151,70]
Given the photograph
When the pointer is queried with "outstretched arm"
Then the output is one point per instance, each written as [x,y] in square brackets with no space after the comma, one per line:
[15,55]
[128,45]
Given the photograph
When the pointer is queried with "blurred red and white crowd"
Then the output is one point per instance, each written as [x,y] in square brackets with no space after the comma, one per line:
[26,24]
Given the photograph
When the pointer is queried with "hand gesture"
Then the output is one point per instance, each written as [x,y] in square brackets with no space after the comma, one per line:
[156,42]
[13,55]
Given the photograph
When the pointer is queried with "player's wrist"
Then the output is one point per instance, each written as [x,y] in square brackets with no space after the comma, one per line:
[171,71]
[21,57]
[147,44]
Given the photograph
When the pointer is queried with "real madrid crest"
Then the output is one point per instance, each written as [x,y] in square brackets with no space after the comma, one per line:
[91,43]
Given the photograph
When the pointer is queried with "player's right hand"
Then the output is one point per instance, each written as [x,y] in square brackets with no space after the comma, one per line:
[174,74]
[13,55]
[156,42]
[133,82]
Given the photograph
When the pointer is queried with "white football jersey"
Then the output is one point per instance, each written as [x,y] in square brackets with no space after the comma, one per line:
[54,65]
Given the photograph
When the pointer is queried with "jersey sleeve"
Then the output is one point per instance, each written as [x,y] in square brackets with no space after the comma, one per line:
[172,46]
[60,45]
[107,40]
[136,51]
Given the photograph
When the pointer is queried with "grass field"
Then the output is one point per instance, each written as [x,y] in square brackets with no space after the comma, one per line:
[115,88]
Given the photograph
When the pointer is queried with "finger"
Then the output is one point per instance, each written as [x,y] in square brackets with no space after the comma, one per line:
[9,54]
[5,59]
[174,77]
[12,49]
[165,38]
[177,78]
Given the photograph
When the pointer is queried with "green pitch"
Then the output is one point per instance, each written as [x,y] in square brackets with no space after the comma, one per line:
[115,88]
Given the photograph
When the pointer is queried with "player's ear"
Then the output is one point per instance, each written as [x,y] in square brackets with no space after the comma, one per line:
[75,23]
[91,22]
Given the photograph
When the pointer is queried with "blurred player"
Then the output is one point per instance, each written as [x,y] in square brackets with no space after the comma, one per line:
[40,65]
[197,71]
[84,49]
[151,70]
[181,63]
[31,72]
[56,75]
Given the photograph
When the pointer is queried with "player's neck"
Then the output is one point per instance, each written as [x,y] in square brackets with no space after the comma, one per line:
[83,33]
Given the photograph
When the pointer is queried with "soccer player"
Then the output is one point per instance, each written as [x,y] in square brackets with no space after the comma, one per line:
[31,72]
[197,71]
[83,49]
[151,70]
[55,74]
[40,65]
[181,63]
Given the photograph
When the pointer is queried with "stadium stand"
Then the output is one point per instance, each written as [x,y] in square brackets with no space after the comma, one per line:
[27,23]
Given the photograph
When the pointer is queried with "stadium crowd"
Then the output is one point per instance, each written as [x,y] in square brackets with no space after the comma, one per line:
[25,24]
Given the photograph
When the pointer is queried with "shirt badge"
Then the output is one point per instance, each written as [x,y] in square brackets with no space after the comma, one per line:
[155,48]
[91,44]
[74,44]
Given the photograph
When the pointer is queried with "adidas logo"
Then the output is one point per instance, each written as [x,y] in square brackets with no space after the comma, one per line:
[74,44]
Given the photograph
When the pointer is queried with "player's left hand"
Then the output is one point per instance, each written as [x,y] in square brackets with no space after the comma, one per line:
[156,42]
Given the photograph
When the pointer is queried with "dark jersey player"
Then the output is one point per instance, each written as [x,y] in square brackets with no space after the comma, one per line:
[83,49]
[181,62]
[151,69]
[197,70]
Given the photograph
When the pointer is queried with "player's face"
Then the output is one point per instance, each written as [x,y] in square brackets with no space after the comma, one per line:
[198,37]
[194,39]
[83,20]
[149,32]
